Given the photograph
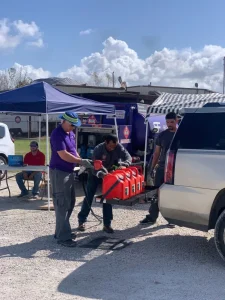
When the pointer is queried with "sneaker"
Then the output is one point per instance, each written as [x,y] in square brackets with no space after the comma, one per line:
[25,194]
[81,227]
[147,220]
[108,229]
[34,196]
[68,243]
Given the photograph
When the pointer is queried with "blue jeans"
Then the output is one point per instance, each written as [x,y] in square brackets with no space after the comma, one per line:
[92,185]
[36,178]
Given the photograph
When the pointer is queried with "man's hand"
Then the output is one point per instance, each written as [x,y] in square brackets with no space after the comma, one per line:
[152,173]
[121,168]
[87,163]
[123,164]
[25,176]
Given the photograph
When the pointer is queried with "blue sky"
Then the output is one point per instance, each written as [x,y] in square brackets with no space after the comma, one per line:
[145,25]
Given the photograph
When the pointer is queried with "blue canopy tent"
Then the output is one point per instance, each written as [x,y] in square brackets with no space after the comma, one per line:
[42,99]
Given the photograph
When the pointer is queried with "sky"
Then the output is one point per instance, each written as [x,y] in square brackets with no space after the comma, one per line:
[174,43]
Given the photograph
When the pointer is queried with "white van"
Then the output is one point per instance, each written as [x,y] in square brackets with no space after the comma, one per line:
[193,194]
[7,146]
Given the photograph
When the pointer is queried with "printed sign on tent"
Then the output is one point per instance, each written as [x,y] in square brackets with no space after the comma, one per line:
[125,134]
[120,114]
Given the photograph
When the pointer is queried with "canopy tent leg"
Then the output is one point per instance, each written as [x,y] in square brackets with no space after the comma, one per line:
[39,131]
[47,153]
[146,144]
[116,127]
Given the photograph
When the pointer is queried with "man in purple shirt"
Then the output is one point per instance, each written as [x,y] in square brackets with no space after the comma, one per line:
[63,160]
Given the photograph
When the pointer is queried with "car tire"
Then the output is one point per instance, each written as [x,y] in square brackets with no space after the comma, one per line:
[219,235]
[4,162]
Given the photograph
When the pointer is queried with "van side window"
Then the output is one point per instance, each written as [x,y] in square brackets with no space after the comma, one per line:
[2,132]
[201,131]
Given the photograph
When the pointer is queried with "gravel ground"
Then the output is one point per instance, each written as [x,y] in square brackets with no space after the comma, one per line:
[161,263]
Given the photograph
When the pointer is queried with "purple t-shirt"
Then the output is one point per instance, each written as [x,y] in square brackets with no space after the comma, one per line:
[60,140]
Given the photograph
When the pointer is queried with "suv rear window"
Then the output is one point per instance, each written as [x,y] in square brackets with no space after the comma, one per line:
[2,132]
[201,131]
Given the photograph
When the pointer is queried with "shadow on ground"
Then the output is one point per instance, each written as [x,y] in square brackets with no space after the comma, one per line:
[160,267]
[157,264]
[29,249]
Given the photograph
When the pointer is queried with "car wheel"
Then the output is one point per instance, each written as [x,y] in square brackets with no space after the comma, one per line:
[3,161]
[219,235]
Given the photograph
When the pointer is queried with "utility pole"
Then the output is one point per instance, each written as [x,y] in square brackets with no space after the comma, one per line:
[223,74]
[113,79]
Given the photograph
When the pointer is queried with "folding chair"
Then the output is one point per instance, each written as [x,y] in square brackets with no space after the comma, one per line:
[26,181]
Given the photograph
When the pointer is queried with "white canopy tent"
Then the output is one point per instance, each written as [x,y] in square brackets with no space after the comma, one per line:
[167,102]
[175,102]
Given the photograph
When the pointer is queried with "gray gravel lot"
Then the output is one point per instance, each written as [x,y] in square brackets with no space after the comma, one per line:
[161,263]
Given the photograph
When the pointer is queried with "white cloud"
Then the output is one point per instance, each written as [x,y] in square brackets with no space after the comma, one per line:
[6,39]
[38,43]
[26,29]
[12,34]
[169,67]
[19,73]
[32,72]
[86,32]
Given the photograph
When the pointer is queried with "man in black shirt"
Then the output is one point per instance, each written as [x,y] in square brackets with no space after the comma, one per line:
[111,153]
[163,142]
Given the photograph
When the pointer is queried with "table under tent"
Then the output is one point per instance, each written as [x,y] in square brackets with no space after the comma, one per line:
[43,99]
[167,102]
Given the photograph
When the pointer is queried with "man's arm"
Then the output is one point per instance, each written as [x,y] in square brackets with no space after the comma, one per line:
[97,153]
[42,159]
[157,151]
[156,155]
[125,155]
[68,157]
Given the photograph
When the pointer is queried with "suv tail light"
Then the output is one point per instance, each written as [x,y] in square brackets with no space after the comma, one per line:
[169,169]
[12,140]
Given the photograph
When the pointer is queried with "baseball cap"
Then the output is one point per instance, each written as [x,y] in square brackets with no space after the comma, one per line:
[33,144]
[71,117]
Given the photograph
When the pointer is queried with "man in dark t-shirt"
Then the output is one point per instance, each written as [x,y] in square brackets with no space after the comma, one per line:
[163,142]
[111,153]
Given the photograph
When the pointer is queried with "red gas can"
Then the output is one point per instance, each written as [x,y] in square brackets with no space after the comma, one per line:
[138,179]
[130,178]
[98,165]
[140,171]
[116,185]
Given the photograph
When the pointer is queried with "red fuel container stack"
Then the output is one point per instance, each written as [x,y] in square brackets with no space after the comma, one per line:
[130,178]
[140,171]
[117,184]
[138,179]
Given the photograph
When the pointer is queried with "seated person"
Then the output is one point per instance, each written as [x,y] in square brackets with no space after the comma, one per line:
[32,158]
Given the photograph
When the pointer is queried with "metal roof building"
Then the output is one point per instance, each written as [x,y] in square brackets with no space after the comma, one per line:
[146,89]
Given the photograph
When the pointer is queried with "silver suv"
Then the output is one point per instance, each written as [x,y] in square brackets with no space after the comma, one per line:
[193,194]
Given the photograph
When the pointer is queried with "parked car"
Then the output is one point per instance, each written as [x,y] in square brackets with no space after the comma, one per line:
[7,146]
[193,194]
